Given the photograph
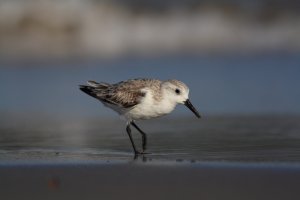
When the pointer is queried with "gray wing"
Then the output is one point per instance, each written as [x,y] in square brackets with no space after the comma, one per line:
[125,94]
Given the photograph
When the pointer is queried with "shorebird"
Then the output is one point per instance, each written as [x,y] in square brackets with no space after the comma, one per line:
[139,99]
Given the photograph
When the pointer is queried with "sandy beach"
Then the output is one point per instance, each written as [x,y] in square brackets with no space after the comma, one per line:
[148,179]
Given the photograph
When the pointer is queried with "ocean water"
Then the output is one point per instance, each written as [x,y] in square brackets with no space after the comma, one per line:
[233,84]
[250,108]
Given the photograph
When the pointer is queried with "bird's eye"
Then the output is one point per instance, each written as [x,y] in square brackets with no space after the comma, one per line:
[177,91]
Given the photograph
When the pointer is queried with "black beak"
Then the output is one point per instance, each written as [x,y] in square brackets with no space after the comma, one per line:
[192,108]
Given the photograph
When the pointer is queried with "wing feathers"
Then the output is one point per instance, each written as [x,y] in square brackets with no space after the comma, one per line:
[125,94]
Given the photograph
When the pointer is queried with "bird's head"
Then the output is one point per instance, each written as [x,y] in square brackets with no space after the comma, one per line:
[178,92]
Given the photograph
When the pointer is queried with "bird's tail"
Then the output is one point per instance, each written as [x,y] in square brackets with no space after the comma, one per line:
[93,88]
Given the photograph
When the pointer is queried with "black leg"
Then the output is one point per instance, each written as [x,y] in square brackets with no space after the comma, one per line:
[130,137]
[144,136]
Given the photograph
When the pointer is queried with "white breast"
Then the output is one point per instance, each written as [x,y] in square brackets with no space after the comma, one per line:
[150,108]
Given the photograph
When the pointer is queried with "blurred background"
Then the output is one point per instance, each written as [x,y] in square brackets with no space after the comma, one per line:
[239,58]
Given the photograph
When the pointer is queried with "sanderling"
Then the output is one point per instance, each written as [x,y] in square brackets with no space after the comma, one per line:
[138,99]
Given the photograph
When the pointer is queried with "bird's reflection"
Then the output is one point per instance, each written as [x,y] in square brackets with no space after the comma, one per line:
[140,157]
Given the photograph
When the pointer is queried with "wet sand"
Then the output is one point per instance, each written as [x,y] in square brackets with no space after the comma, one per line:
[242,158]
[148,179]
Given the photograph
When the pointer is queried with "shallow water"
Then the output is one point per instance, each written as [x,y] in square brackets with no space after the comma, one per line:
[219,139]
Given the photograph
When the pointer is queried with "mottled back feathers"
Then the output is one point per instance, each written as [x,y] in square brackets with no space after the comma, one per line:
[125,94]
